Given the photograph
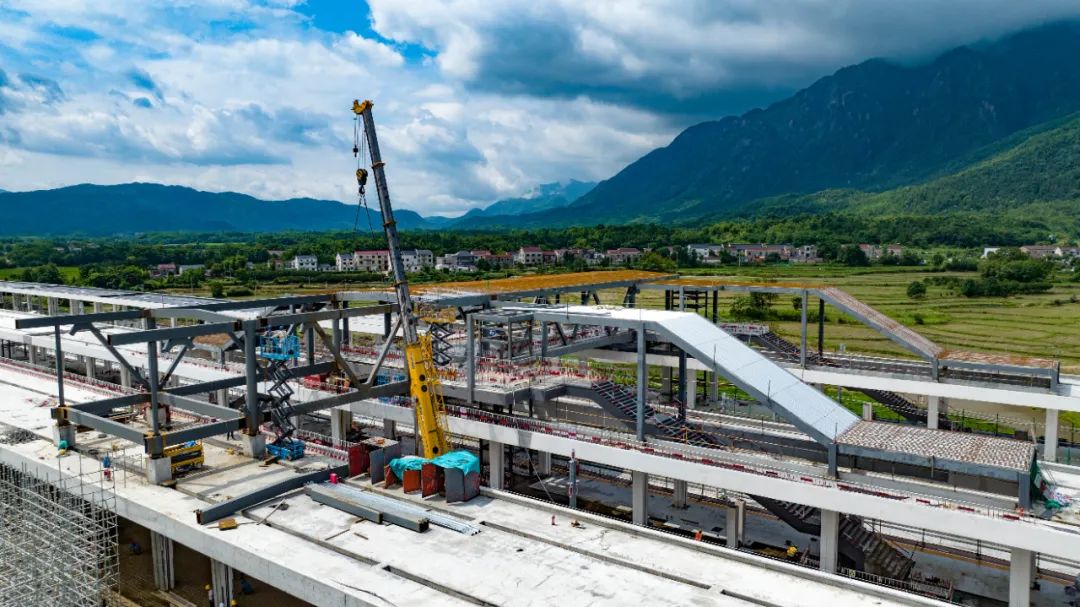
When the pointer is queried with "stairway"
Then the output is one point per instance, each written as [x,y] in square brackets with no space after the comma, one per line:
[861,546]
[621,403]
[893,401]
[867,550]
[440,343]
[281,410]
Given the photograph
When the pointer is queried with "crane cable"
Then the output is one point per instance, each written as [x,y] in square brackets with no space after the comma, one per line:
[360,153]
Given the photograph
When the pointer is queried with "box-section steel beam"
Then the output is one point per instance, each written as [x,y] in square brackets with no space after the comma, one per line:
[141,337]
[194,433]
[363,392]
[78,319]
[106,425]
[198,406]
[241,502]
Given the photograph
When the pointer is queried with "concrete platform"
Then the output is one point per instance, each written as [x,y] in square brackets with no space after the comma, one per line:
[973,449]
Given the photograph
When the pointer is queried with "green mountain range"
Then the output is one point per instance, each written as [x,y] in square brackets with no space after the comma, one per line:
[150,207]
[868,128]
[95,210]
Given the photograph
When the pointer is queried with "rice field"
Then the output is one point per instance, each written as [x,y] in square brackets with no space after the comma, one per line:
[1044,325]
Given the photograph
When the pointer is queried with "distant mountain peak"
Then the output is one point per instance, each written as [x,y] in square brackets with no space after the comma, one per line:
[544,197]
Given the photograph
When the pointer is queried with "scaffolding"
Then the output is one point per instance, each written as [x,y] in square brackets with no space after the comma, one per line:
[58,539]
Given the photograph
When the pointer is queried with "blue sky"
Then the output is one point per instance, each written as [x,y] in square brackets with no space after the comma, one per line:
[475,99]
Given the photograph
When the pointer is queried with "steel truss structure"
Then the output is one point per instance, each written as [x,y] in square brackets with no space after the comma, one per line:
[242,323]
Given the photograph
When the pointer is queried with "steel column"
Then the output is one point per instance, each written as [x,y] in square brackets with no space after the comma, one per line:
[803,328]
[251,370]
[153,377]
[821,327]
[470,358]
[642,381]
[59,356]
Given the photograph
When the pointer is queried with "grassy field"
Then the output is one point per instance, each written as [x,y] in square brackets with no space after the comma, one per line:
[1044,325]
[70,273]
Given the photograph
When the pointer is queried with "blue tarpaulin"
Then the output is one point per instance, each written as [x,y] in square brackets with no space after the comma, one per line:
[462,460]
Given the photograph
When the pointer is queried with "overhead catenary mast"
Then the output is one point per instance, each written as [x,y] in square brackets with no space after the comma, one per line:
[423,377]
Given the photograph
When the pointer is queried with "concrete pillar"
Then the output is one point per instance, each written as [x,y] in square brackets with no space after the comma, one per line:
[91,367]
[691,390]
[572,466]
[933,410]
[666,389]
[125,377]
[868,411]
[52,306]
[158,469]
[33,354]
[253,446]
[340,421]
[97,307]
[389,429]
[223,397]
[830,538]
[64,433]
[77,306]
[679,494]
[543,463]
[161,548]
[221,581]
[734,523]
[714,387]
[1021,566]
[497,464]
[640,500]
[1050,436]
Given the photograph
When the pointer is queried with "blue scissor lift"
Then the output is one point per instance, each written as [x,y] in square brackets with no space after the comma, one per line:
[280,347]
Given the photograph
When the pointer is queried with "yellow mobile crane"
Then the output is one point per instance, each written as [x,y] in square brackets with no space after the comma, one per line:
[423,378]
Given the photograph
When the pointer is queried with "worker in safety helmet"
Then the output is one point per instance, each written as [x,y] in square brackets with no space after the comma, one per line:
[209,596]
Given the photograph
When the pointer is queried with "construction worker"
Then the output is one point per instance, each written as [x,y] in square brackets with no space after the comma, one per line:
[209,595]
[792,552]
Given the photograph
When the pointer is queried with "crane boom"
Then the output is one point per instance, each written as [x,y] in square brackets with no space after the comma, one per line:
[423,377]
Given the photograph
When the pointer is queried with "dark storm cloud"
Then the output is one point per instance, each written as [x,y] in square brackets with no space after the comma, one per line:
[692,58]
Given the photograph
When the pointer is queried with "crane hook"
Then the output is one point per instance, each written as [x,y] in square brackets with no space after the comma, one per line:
[361,179]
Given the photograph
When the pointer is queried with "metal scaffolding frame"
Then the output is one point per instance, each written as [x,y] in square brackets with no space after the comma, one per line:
[58,539]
